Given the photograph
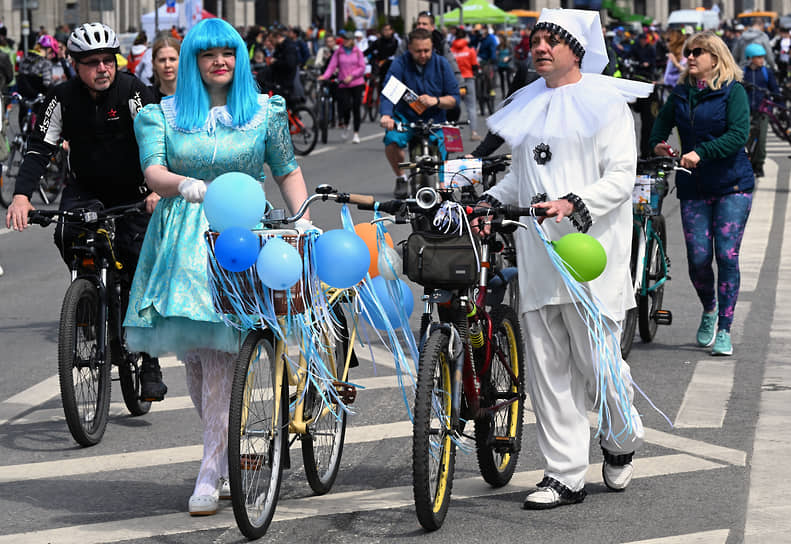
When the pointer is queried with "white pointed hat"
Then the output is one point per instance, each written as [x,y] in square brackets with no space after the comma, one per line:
[584,27]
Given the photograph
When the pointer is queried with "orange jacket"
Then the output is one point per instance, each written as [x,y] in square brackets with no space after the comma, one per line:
[466,57]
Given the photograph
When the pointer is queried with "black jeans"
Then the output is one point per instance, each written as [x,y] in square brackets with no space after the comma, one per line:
[349,101]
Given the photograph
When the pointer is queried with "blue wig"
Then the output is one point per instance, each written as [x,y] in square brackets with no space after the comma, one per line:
[191,98]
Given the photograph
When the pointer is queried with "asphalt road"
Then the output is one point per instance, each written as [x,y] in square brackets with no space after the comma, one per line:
[717,475]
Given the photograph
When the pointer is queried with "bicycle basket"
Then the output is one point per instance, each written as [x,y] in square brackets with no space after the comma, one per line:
[647,194]
[243,292]
[441,261]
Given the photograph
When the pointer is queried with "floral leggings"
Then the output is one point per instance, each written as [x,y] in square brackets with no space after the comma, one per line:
[714,227]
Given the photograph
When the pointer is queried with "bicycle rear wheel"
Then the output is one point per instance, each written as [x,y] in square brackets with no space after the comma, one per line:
[129,377]
[651,302]
[433,450]
[630,320]
[257,434]
[498,435]
[8,176]
[322,446]
[84,374]
[304,133]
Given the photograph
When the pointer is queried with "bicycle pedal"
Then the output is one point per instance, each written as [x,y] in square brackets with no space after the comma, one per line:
[664,317]
[503,444]
[346,392]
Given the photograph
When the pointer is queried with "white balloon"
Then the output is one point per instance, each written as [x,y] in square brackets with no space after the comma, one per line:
[389,263]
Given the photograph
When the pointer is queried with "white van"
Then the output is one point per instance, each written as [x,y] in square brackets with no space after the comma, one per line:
[697,19]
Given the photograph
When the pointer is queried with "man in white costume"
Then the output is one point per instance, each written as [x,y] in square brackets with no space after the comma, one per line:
[573,142]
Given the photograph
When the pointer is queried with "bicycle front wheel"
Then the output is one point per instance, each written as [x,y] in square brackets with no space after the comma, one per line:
[257,434]
[498,434]
[433,448]
[84,373]
[304,132]
[651,302]
[8,176]
[322,446]
[630,320]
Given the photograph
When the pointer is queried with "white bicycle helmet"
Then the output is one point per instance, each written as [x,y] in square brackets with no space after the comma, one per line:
[92,38]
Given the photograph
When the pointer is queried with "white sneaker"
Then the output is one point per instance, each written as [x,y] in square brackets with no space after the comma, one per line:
[356,139]
[204,505]
[1,267]
[345,133]
[550,494]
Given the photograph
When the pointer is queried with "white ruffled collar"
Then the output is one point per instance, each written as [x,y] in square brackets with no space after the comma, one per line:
[578,109]
[217,115]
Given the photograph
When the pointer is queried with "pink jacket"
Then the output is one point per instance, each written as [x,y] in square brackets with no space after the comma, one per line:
[347,64]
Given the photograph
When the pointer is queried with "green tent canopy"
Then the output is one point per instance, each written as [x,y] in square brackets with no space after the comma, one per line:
[479,11]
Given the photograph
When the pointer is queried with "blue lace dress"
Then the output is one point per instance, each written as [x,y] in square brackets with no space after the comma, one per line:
[170,308]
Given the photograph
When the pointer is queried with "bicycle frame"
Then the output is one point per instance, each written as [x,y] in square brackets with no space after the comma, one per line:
[644,226]
[465,377]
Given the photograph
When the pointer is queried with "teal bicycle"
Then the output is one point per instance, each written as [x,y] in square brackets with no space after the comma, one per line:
[650,264]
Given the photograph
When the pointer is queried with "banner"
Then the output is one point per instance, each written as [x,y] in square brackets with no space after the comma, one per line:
[193,12]
[394,9]
[170,6]
[362,12]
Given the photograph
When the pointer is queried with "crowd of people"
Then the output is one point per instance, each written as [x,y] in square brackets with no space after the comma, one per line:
[176,119]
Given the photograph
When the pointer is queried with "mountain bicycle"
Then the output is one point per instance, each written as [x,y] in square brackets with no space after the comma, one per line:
[275,402]
[54,180]
[90,332]
[301,124]
[649,263]
[471,366]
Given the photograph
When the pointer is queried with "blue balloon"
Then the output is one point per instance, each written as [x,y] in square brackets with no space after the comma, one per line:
[391,309]
[234,200]
[236,249]
[279,264]
[342,258]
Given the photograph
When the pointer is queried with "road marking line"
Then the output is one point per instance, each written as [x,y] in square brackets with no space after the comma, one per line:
[768,517]
[706,398]
[756,233]
[48,389]
[170,404]
[705,537]
[321,150]
[333,504]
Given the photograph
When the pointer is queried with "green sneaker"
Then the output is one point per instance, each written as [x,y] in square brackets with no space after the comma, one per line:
[722,345]
[707,328]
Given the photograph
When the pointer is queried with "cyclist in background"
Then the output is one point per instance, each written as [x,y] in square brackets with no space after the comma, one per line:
[760,77]
[95,112]
[382,52]
[487,55]
[430,76]
[35,68]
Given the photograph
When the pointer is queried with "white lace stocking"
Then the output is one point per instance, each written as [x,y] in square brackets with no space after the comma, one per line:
[209,380]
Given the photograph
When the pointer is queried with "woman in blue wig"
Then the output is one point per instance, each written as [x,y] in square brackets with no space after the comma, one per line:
[216,122]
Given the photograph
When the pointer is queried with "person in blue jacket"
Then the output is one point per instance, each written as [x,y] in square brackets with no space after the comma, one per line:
[431,78]
[711,110]
[758,78]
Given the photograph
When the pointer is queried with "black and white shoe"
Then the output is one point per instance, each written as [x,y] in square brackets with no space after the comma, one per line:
[550,494]
[617,470]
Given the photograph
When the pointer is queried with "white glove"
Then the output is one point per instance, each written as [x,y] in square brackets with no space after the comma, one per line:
[304,225]
[193,190]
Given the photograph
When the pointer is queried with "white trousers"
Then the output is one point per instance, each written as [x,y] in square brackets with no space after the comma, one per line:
[562,387]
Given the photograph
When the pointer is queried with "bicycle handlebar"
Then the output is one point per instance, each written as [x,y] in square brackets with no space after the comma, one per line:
[83,215]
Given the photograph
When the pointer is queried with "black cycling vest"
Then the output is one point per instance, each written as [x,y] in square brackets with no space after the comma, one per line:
[103,155]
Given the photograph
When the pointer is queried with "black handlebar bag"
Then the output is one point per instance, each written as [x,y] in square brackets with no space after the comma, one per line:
[441,261]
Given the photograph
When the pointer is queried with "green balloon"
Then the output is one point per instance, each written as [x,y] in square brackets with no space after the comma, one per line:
[584,255]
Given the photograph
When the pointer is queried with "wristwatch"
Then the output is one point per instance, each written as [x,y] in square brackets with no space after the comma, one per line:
[437,102]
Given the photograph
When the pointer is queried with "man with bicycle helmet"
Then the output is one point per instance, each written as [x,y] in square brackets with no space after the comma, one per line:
[95,113]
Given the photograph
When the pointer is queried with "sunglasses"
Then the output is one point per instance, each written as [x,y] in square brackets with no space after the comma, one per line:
[696,52]
[107,61]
